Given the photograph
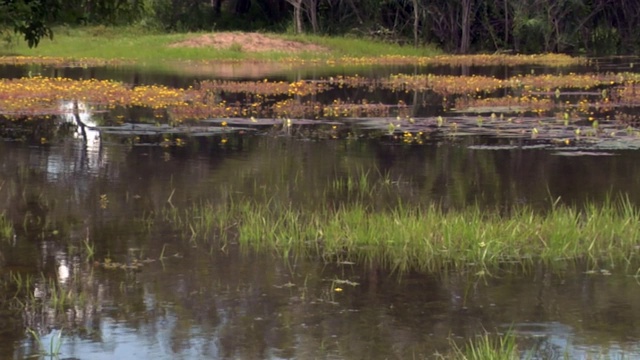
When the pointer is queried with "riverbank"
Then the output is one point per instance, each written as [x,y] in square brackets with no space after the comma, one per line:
[139,45]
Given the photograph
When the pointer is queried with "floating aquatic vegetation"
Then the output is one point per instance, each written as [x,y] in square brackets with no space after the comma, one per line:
[555,60]
[562,110]
[629,93]
[550,84]
[506,104]
[60,61]
[263,88]
[42,95]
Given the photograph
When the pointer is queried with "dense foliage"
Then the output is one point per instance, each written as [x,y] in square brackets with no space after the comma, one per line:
[31,18]
[459,26]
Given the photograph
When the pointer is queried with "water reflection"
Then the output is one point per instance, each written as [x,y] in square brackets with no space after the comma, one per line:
[89,155]
[247,306]
[234,304]
[80,202]
[179,75]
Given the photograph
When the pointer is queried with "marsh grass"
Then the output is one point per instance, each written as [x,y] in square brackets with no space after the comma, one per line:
[6,228]
[58,297]
[406,237]
[55,343]
[89,249]
[32,292]
[488,347]
[22,283]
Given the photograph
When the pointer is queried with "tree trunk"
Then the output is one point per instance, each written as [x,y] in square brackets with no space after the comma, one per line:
[416,23]
[465,39]
[312,12]
[297,15]
[506,23]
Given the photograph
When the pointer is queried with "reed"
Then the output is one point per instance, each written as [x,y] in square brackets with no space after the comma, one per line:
[55,343]
[56,296]
[22,283]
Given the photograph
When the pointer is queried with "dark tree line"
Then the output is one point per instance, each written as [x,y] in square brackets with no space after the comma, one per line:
[458,26]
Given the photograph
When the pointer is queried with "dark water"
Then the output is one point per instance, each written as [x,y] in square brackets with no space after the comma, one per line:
[207,302]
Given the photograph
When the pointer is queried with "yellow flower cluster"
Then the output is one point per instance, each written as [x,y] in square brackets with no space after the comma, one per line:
[554,60]
[42,95]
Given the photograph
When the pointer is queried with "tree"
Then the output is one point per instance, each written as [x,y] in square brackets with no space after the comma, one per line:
[310,7]
[106,12]
[31,18]
[297,15]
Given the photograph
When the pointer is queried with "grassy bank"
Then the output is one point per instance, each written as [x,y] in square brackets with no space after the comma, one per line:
[424,238]
[134,44]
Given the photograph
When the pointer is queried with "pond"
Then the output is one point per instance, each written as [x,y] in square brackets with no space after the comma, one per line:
[100,263]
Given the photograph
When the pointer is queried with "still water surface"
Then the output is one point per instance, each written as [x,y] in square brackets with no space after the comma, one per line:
[239,304]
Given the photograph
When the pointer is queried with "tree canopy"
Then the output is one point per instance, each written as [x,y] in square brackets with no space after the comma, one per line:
[457,26]
[31,18]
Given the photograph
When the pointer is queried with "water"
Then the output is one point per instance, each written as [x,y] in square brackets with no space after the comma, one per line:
[170,298]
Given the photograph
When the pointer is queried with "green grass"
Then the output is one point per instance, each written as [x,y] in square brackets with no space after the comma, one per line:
[131,43]
[356,47]
[55,344]
[488,347]
[6,228]
[423,238]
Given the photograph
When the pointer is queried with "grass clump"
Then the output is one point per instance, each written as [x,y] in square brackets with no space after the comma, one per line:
[6,228]
[488,347]
[426,237]
[55,343]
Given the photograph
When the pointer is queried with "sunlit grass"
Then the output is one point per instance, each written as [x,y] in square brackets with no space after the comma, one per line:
[357,47]
[111,44]
[132,43]
[426,238]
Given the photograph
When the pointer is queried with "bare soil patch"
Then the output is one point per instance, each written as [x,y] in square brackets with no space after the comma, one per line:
[250,42]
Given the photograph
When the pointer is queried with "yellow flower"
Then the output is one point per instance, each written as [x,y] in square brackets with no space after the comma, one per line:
[338,289]
[224,123]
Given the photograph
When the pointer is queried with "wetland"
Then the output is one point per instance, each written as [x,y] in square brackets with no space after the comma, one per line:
[404,207]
